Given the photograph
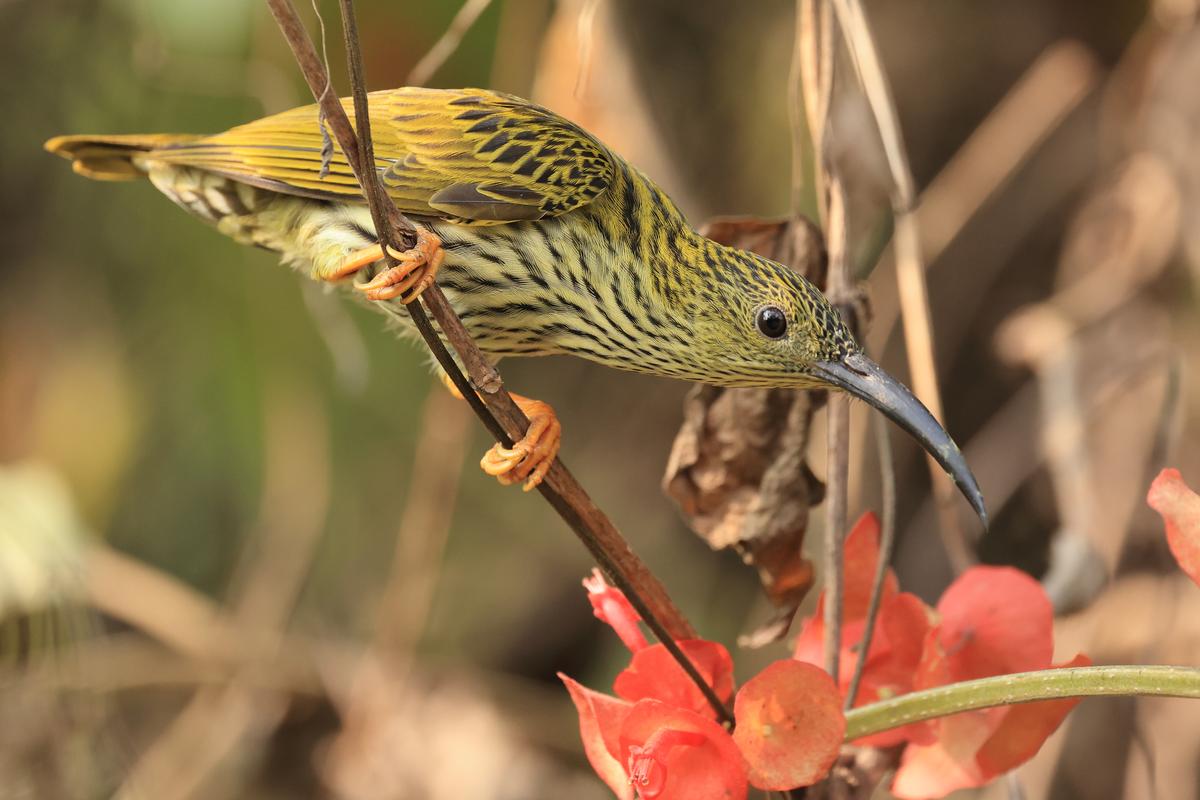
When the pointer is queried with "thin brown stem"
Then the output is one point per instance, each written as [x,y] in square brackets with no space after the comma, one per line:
[887,538]
[837,413]
[910,270]
[812,71]
[837,478]
[812,88]
[491,403]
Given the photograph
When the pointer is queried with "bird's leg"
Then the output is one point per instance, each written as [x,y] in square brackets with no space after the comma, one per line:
[529,459]
[413,274]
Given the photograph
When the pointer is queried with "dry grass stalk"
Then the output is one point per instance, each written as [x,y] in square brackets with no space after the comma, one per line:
[910,271]
[436,56]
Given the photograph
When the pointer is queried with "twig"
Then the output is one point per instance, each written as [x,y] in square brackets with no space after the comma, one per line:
[488,399]
[910,271]
[853,22]
[585,34]
[158,604]
[887,538]
[403,609]
[808,80]
[432,61]
[124,662]
[812,79]
[1015,421]
[1033,108]
[837,417]
[424,525]
[810,84]
[918,337]
[814,52]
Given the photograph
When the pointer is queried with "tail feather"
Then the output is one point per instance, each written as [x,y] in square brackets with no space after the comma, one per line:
[111,158]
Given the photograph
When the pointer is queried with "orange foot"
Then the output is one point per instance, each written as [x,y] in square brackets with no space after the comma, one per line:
[414,273]
[529,459]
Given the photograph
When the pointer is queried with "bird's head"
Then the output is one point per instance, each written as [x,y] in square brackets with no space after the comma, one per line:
[768,326]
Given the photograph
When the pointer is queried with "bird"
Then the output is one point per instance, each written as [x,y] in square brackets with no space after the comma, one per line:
[543,240]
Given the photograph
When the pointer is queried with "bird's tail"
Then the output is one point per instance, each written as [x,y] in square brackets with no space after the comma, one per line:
[112,158]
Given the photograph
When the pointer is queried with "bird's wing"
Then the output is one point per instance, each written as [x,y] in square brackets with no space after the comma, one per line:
[469,155]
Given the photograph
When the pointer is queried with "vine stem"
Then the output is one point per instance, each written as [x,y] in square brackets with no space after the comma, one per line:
[485,390]
[1022,687]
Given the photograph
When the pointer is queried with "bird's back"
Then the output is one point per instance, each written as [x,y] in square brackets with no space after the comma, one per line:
[468,155]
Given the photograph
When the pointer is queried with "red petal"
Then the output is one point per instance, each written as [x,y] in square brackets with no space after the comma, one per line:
[946,761]
[1025,729]
[610,605]
[810,644]
[789,725]
[931,671]
[1180,510]
[995,620]
[600,721]
[861,559]
[655,674]
[975,747]
[896,651]
[713,770]
[931,771]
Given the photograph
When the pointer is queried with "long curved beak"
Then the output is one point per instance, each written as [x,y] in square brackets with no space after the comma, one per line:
[866,380]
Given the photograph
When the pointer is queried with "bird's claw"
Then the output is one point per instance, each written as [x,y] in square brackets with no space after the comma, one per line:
[529,459]
[414,272]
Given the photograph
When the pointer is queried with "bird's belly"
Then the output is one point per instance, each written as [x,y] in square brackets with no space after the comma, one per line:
[494,284]
[524,289]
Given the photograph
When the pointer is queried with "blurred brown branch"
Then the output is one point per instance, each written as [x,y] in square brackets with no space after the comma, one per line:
[295,501]
[436,56]
[371,702]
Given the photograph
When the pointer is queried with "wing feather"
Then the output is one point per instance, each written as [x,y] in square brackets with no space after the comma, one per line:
[468,155]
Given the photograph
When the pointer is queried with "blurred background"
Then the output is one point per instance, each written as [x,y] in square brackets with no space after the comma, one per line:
[245,550]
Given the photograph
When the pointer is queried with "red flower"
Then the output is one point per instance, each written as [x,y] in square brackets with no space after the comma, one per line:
[1180,510]
[900,629]
[655,674]
[676,754]
[655,750]
[991,621]
[789,730]
[994,621]
[660,739]
[600,721]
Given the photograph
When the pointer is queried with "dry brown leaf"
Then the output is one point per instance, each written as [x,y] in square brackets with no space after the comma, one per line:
[737,467]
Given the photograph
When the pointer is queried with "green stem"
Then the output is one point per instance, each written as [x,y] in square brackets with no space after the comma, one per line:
[1022,687]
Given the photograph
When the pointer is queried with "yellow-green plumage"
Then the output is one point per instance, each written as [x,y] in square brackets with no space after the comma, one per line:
[553,244]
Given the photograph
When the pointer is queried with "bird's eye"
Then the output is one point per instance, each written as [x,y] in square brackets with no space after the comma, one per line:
[771,321]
